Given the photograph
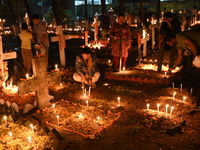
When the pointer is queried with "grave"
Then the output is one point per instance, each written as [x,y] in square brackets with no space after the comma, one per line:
[40,82]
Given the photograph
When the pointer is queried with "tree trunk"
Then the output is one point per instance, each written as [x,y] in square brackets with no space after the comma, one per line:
[158,11]
[18,13]
[56,11]
[142,13]
[103,10]
[29,13]
[86,10]
[121,6]
[12,17]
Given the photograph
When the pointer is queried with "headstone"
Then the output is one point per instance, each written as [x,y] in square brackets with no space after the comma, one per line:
[40,82]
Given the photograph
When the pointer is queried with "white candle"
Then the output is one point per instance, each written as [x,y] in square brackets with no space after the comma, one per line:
[53,106]
[171,110]
[58,119]
[158,106]
[83,90]
[80,115]
[27,76]
[61,84]
[109,61]
[173,85]
[119,100]
[29,139]
[89,91]
[167,108]
[87,103]
[5,119]
[181,87]
[148,106]
[124,69]
[56,66]
[191,90]
[11,137]
[174,94]
[98,118]
[165,74]
[184,98]
[32,128]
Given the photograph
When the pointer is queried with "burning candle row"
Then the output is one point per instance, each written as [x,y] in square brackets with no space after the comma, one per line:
[166,109]
[181,87]
[11,137]
[85,91]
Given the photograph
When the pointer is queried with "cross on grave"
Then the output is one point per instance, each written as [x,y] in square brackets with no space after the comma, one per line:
[60,38]
[152,27]
[144,40]
[40,82]
[96,28]
[4,56]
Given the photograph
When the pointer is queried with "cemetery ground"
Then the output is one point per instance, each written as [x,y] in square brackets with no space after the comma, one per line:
[137,128]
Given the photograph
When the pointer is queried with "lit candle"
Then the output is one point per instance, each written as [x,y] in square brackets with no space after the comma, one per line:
[58,119]
[181,87]
[27,76]
[32,128]
[56,66]
[148,106]
[83,90]
[165,74]
[109,61]
[89,91]
[84,95]
[98,118]
[53,106]
[106,84]
[119,100]
[158,106]
[124,69]
[11,137]
[5,118]
[191,90]
[61,85]
[174,94]
[167,108]
[171,110]
[184,98]
[87,103]
[173,85]
[29,139]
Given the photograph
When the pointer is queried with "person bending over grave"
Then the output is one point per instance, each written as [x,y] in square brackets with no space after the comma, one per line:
[121,41]
[86,70]
[41,36]
[186,41]
[26,51]
[169,27]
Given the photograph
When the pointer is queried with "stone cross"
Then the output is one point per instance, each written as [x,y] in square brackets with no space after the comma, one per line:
[4,56]
[60,38]
[40,82]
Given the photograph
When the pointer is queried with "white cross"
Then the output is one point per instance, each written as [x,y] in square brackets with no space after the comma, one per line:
[61,41]
[144,40]
[5,56]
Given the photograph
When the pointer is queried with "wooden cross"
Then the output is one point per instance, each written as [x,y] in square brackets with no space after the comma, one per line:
[60,38]
[40,82]
[96,28]
[4,56]
[145,38]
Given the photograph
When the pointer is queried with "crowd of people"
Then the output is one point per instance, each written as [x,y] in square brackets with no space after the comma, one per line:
[171,40]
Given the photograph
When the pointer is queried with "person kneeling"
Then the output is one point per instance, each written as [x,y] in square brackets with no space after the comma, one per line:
[86,70]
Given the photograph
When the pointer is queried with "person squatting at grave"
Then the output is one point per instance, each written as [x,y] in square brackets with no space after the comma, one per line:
[121,41]
[26,38]
[86,70]
[189,40]
[41,37]
[169,27]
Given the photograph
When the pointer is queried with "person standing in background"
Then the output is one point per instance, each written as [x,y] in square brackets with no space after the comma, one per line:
[41,36]
[26,37]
